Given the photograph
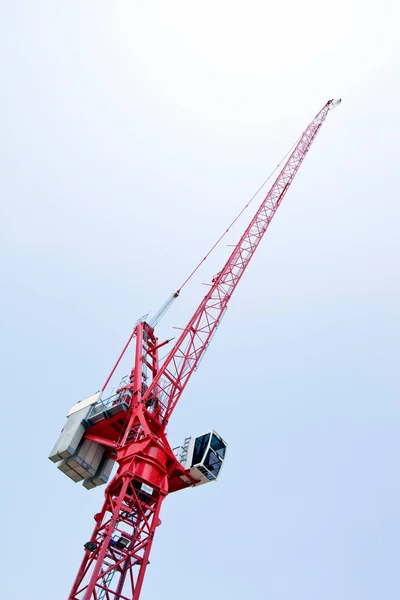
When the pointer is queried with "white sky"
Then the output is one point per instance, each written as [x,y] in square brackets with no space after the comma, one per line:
[132,133]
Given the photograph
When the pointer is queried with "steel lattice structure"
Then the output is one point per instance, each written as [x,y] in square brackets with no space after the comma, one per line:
[117,555]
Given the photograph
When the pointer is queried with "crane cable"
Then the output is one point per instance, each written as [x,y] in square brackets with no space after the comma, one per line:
[234,221]
[161,312]
[164,308]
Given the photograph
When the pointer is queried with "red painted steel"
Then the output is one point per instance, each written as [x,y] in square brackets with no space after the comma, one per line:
[117,556]
[179,365]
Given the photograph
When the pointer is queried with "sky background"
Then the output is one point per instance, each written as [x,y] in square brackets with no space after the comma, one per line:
[132,134]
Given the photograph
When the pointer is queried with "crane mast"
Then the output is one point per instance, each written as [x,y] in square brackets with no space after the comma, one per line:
[128,428]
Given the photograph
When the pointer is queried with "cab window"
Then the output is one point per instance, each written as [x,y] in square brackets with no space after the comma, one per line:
[200,447]
[218,446]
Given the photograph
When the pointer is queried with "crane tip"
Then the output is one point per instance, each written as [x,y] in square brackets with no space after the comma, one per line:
[335,103]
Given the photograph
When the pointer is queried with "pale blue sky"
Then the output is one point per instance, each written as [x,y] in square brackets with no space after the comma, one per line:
[132,133]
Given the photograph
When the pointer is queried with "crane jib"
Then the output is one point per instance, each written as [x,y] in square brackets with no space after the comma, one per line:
[184,357]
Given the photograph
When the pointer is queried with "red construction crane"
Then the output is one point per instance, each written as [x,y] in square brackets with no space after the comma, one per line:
[128,428]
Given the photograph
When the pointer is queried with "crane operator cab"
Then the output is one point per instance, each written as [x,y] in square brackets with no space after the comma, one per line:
[203,456]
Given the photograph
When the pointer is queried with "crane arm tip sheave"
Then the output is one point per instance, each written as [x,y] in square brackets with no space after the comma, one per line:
[335,103]
[129,427]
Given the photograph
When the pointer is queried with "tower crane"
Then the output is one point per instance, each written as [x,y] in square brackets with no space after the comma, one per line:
[128,428]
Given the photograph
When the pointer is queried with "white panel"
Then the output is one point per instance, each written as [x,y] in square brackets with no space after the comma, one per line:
[87,458]
[75,476]
[88,484]
[104,472]
[102,475]
[71,435]
[66,469]
[83,403]
[82,471]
